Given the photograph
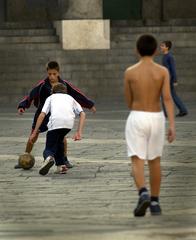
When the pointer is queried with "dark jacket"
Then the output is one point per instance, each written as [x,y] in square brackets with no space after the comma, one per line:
[42,91]
[169,63]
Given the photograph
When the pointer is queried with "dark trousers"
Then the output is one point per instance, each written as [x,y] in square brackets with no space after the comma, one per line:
[55,145]
[178,102]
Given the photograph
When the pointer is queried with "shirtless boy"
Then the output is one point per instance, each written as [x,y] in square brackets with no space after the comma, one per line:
[144,84]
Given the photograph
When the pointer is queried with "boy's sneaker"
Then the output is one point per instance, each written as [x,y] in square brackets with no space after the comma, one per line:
[181,114]
[155,208]
[62,169]
[17,166]
[68,164]
[48,163]
[143,204]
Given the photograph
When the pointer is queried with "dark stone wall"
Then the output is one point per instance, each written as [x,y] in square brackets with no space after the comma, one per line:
[182,9]
[2,10]
[151,9]
[32,10]
[163,10]
[46,10]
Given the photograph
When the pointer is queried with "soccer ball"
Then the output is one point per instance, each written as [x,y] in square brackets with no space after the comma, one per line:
[26,161]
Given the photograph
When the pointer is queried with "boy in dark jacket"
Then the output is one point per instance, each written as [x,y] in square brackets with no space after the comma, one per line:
[169,63]
[40,93]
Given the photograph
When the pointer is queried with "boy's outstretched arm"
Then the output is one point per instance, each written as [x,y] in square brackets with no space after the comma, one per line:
[168,102]
[33,96]
[78,134]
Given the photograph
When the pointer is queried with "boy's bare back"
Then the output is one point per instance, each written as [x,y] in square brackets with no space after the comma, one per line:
[144,84]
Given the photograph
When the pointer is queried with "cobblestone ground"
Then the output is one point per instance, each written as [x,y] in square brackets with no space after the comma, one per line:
[95,199]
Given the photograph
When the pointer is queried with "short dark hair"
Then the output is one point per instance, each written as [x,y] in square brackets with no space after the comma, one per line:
[59,88]
[52,65]
[146,45]
[168,44]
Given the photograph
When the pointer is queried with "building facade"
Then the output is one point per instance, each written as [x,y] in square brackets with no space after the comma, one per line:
[90,42]
[50,10]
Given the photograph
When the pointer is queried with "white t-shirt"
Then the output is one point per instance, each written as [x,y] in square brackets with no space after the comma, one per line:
[63,109]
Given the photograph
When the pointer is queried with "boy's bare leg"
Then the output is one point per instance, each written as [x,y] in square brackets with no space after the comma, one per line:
[138,174]
[155,176]
[68,164]
[30,144]
[155,183]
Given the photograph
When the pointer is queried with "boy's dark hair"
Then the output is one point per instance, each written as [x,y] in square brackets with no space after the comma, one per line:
[146,45]
[59,88]
[168,44]
[53,65]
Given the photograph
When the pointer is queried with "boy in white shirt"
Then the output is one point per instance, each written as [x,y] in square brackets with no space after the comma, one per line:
[63,109]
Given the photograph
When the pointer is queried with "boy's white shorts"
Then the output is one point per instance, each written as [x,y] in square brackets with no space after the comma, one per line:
[145,133]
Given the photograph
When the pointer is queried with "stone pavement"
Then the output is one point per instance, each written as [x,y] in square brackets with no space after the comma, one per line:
[96,198]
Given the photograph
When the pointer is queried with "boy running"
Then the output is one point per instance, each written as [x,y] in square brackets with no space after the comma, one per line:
[62,109]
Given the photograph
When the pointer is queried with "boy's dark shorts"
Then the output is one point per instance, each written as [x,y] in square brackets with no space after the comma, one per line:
[43,127]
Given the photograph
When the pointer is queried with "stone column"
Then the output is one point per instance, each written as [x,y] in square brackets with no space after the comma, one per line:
[82,25]
[81,9]
[83,34]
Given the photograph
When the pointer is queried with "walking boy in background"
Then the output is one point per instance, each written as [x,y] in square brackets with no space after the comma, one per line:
[144,84]
[39,94]
[169,63]
[62,109]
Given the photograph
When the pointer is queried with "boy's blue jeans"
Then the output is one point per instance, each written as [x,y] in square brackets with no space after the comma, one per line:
[178,102]
[55,145]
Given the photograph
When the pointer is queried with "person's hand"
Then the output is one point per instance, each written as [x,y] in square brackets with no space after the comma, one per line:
[77,136]
[21,111]
[171,135]
[93,109]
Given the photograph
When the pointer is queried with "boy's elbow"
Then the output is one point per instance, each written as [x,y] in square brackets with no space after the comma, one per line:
[83,114]
[167,99]
[43,114]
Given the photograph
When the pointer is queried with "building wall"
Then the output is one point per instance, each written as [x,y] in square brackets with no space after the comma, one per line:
[122,9]
[152,10]
[179,9]
[2,10]
[32,10]
[46,10]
